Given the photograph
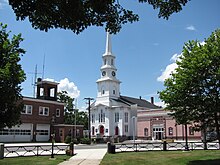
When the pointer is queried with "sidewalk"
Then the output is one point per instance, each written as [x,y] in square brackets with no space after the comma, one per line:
[86,157]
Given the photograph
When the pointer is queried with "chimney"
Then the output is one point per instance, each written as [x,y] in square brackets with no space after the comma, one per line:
[140,97]
[152,100]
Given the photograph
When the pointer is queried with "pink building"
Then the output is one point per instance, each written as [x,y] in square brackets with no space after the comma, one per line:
[157,124]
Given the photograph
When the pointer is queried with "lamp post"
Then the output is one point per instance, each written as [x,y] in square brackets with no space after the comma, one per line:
[52,134]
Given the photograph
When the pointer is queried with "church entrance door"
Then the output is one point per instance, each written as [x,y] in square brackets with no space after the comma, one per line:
[101,130]
[116,130]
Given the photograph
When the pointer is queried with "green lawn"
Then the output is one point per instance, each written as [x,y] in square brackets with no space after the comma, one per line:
[208,157]
[40,160]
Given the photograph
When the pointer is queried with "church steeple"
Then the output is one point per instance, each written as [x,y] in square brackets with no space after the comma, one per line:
[108,84]
[108,48]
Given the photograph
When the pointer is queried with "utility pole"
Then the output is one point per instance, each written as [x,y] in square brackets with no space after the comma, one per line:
[89,99]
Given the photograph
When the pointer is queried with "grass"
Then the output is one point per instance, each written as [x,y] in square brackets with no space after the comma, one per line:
[40,160]
[197,157]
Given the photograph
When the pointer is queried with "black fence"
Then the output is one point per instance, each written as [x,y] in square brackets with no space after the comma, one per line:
[160,146]
[35,150]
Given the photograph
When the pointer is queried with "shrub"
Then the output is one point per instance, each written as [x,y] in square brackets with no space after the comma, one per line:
[67,139]
[85,141]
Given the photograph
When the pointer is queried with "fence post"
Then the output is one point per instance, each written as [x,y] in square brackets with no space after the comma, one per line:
[111,148]
[72,148]
[164,145]
[1,151]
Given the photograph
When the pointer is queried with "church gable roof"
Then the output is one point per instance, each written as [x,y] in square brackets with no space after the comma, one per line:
[139,102]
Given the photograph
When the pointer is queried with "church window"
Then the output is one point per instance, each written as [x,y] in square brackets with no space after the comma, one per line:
[113,92]
[126,117]
[117,117]
[103,92]
[112,62]
[105,62]
[93,118]
[145,131]
[106,130]
[102,117]
[126,128]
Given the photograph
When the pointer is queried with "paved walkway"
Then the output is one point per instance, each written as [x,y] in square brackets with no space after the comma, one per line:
[86,157]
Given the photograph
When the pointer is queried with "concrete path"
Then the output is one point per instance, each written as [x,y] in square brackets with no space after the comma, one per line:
[86,157]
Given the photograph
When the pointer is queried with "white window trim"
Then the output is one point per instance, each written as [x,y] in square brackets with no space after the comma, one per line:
[44,111]
[26,109]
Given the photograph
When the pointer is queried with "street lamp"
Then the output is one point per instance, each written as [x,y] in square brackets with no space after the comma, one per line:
[52,133]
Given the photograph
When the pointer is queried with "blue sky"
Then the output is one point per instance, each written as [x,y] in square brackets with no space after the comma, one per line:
[145,51]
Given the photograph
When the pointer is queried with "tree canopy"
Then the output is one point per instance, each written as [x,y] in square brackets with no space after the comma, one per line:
[77,15]
[193,91]
[11,76]
[72,115]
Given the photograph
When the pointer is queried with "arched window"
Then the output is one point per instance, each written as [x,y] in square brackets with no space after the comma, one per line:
[170,131]
[145,131]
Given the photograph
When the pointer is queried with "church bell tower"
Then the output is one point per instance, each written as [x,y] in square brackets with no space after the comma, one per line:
[108,85]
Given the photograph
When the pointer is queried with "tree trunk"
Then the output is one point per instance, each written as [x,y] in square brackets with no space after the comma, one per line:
[217,128]
[186,135]
[204,138]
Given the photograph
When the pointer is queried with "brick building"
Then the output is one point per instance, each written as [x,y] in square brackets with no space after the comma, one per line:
[40,116]
[157,124]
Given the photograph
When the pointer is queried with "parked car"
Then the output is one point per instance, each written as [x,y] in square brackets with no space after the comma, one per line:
[210,136]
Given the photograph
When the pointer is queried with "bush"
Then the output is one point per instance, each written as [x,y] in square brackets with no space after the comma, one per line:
[67,139]
[85,141]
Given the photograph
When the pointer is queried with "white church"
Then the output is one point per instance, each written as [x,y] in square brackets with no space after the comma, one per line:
[113,115]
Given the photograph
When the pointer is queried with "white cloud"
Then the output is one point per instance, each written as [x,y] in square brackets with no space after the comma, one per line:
[70,87]
[169,68]
[191,28]
[160,103]
[66,85]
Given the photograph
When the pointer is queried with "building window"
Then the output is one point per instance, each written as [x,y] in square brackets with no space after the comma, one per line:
[102,116]
[44,111]
[145,131]
[105,62]
[93,118]
[42,132]
[57,112]
[113,92]
[117,117]
[112,62]
[41,91]
[106,130]
[170,131]
[126,128]
[126,117]
[14,132]
[27,109]
[52,92]
[103,92]
[191,130]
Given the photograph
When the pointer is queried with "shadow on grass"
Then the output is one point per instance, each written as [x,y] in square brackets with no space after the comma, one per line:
[205,162]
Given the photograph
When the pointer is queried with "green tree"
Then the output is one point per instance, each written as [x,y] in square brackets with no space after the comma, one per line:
[11,76]
[77,15]
[72,116]
[195,84]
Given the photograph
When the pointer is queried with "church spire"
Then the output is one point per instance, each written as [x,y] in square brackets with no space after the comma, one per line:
[108,48]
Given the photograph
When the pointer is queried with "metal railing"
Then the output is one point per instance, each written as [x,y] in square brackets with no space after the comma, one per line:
[162,146]
[34,150]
